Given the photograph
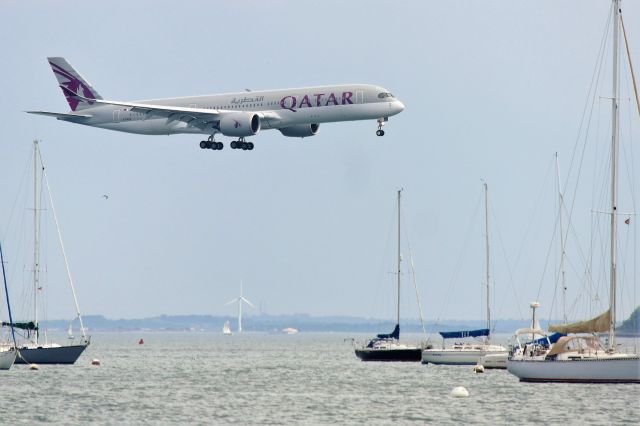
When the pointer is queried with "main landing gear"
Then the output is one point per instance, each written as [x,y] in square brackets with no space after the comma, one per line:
[380,132]
[211,144]
[239,144]
[242,144]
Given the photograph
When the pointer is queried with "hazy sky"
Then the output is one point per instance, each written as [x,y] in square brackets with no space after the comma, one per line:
[492,89]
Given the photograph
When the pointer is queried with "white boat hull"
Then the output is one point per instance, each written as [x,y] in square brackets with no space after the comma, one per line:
[458,356]
[586,370]
[7,359]
[496,361]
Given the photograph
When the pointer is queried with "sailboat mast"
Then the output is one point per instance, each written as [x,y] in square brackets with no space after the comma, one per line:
[562,253]
[6,293]
[486,227]
[614,174]
[399,257]
[36,239]
[240,310]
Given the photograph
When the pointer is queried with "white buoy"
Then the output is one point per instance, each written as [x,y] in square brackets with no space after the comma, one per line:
[34,367]
[95,361]
[460,392]
[478,368]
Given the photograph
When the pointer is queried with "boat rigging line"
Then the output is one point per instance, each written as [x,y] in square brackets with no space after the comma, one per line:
[64,253]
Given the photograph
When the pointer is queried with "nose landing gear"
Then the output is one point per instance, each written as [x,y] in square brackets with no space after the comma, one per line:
[380,132]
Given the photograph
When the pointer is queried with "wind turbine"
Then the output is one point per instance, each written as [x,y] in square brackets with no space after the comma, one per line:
[239,300]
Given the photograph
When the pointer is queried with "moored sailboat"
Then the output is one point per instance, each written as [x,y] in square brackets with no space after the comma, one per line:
[468,353]
[32,350]
[226,329]
[581,357]
[387,347]
[7,352]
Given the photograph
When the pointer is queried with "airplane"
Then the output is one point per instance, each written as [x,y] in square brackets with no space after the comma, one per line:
[294,112]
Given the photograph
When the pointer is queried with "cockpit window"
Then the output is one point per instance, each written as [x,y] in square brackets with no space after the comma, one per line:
[385,95]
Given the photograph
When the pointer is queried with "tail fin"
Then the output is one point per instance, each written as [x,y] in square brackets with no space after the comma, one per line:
[72,84]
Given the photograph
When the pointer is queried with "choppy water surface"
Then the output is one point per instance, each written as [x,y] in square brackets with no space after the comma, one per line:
[207,378]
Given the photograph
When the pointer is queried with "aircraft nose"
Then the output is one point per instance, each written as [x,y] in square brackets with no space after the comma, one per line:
[398,106]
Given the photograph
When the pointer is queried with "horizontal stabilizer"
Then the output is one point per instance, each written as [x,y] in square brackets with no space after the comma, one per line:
[60,115]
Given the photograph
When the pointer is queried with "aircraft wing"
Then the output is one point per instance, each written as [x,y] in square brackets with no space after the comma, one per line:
[161,110]
[199,117]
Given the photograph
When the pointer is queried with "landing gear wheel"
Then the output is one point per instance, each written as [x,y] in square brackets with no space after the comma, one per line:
[234,145]
[250,146]
[219,145]
[380,132]
[244,146]
[203,144]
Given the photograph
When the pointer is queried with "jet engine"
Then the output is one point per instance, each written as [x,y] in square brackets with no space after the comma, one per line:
[301,130]
[240,124]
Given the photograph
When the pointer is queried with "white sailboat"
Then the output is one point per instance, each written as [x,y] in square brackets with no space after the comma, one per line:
[33,349]
[582,358]
[226,329]
[240,300]
[469,353]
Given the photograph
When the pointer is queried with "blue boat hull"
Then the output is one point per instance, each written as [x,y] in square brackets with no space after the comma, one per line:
[57,355]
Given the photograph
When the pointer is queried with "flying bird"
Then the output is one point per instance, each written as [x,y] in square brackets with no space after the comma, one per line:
[106,197]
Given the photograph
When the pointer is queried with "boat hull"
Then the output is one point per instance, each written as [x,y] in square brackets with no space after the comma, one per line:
[50,355]
[587,370]
[455,357]
[397,355]
[494,361]
[7,359]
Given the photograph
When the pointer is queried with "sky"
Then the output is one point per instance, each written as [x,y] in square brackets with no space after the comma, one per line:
[492,90]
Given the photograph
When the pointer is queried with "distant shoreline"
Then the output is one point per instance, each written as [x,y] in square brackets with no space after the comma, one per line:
[275,323]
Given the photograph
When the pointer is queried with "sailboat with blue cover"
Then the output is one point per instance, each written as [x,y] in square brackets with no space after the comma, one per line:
[465,352]
[387,347]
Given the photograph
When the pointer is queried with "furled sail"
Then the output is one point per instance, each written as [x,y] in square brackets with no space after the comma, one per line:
[395,334]
[22,325]
[599,324]
[465,333]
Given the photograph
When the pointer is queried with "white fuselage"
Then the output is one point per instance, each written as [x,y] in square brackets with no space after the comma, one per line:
[277,109]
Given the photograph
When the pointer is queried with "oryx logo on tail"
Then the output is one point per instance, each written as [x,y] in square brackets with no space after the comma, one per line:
[73,84]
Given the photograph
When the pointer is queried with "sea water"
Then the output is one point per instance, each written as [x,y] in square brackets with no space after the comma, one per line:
[306,378]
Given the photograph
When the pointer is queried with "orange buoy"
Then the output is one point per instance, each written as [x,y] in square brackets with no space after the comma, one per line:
[141,342]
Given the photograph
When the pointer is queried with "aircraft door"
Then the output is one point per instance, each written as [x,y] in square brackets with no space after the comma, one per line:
[359,97]
[116,116]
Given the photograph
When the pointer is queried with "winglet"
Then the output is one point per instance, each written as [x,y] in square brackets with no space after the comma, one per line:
[75,88]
